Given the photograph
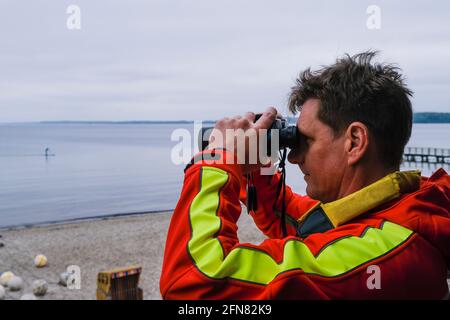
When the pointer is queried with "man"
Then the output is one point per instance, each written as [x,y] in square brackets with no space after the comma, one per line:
[365,230]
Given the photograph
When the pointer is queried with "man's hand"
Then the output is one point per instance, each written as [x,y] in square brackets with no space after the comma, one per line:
[240,135]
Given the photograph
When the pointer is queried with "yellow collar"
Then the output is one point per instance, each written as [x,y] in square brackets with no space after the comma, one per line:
[361,201]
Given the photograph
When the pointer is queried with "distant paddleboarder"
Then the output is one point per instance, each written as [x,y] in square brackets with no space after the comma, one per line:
[47,153]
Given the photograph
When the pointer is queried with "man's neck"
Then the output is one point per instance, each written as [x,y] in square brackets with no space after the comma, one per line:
[357,178]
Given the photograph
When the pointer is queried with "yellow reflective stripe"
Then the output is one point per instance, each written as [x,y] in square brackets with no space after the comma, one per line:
[248,264]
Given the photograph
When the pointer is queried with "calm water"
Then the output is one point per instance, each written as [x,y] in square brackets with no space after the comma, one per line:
[107,169]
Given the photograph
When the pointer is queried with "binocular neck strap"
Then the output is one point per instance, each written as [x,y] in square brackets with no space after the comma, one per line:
[282,188]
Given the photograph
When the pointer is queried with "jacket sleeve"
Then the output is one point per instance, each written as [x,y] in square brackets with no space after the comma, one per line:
[268,214]
[203,257]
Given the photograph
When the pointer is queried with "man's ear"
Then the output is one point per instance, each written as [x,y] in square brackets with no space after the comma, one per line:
[357,142]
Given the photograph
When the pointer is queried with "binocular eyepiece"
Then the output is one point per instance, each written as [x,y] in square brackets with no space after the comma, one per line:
[288,135]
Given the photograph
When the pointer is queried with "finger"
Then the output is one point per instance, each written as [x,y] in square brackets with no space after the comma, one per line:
[267,118]
[223,120]
[221,123]
[250,116]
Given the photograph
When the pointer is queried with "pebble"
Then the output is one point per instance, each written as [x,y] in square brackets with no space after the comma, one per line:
[40,287]
[28,296]
[15,284]
[63,277]
[5,277]
[2,292]
[40,261]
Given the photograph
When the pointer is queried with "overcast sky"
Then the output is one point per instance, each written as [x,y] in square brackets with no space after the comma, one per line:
[202,59]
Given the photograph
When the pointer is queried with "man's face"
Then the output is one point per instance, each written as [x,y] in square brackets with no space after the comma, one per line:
[320,155]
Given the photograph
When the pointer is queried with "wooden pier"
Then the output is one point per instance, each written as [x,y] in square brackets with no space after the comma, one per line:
[427,155]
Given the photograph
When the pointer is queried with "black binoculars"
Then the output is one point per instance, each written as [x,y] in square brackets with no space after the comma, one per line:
[288,135]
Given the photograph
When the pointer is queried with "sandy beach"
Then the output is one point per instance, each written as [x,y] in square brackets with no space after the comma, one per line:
[94,245]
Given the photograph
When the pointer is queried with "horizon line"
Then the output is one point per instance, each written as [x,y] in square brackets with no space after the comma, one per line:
[156,121]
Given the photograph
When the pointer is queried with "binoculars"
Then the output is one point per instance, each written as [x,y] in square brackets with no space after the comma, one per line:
[288,135]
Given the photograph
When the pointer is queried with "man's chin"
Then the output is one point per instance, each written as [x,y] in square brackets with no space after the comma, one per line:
[310,192]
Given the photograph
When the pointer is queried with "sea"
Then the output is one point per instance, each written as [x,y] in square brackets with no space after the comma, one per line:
[54,172]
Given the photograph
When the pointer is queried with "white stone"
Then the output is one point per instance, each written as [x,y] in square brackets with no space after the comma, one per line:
[2,292]
[5,277]
[40,287]
[15,284]
[63,277]
[28,296]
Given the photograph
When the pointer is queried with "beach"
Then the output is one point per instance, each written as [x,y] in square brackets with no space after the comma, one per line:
[94,245]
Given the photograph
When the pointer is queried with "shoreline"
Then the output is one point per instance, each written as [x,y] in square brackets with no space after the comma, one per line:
[82,219]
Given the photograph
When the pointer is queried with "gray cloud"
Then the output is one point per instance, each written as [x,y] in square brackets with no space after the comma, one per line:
[201,59]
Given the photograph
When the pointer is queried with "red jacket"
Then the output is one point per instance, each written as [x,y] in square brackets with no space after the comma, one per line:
[399,250]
